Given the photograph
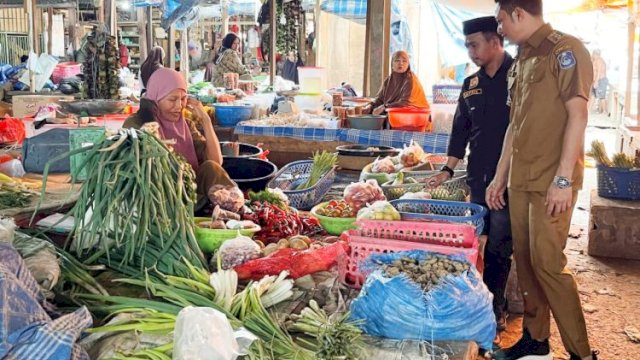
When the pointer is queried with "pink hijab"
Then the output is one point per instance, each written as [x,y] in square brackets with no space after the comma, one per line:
[161,83]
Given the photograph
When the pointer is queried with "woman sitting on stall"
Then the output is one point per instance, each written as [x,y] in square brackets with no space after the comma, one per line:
[164,102]
[153,62]
[401,89]
[227,60]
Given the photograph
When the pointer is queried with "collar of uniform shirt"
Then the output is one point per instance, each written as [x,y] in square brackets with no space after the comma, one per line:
[538,37]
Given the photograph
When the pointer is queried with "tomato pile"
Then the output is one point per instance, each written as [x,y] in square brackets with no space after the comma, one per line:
[338,209]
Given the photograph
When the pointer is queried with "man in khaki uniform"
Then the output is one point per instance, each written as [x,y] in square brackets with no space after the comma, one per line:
[542,159]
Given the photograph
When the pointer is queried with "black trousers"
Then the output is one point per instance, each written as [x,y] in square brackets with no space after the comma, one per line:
[498,251]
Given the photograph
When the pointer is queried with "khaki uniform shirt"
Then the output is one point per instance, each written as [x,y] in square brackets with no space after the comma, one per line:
[551,69]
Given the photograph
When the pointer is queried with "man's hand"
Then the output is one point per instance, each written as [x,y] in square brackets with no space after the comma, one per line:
[435,180]
[495,194]
[558,200]
[379,110]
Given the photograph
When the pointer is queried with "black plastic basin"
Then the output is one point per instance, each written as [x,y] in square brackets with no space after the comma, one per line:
[249,174]
[246,150]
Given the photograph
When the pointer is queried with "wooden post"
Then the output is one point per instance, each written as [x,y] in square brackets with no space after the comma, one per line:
[30,11]
[101,11]
[172,49]
[50,31]
[377,45]
[225,17]
[272,50]
[37,27]
[74,29]
[630,52]
[184,55]
[149,28]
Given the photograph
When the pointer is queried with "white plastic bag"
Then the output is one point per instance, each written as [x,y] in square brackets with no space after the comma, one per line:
[379,210]
[203,333]
[12,168]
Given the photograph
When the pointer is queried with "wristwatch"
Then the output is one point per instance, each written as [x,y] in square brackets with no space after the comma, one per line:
[448,170]
[562,182]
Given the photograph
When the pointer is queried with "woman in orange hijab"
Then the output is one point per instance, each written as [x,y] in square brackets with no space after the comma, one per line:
[401,89]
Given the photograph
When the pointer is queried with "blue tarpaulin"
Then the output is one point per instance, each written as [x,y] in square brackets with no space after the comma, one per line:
[448,23]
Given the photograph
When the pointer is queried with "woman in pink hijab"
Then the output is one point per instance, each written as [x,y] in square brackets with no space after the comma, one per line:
[163,102]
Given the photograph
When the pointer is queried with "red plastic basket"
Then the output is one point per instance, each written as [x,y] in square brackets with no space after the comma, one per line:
[409,118]
[394,236]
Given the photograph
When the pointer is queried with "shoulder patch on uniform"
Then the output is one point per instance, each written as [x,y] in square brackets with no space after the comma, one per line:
[555,37]
[466,94]
[566,60]
[473,82]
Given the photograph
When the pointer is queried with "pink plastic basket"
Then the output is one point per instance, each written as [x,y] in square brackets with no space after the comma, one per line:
[395,236]
[65,70]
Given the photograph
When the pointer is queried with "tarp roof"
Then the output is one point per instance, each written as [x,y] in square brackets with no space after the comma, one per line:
[48,3]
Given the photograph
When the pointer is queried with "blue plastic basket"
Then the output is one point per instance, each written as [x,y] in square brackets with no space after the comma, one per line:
[295,173]
[618,183]
[441,211]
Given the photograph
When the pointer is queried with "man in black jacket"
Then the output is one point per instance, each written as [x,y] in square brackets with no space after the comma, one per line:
[480,122]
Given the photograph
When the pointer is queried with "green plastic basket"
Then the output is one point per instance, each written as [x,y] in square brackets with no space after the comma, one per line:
[334,226]
[211,239]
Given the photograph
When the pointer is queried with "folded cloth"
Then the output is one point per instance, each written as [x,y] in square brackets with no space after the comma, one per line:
[26,329]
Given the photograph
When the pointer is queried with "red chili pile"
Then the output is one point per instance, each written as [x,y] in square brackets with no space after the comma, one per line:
[278,223]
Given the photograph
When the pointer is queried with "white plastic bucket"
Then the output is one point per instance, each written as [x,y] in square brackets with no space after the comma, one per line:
[313,80]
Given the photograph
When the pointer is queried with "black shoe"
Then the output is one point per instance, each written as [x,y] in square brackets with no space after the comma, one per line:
[526,349]
[594,356]
[501,321]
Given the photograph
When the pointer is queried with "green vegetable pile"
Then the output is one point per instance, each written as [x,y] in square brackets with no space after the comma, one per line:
[135,210]
[322,163]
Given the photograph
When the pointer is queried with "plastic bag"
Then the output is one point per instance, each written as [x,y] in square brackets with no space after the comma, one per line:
[458,308]
[12,131]
[227,197]
[203,333]
[384,165]
[412,155]
[421,195]
[297,262]
[362,193]
[7,230]
[41,259]
[237,251]
[379,210]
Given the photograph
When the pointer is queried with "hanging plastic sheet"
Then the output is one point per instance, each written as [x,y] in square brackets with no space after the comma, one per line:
[451,39]
[180,13]
[459,308]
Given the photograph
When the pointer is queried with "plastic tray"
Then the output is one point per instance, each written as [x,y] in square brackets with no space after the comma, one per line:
[618,183]
[296,173]
[393,192]
[402,236]
[441,211]
[211,239]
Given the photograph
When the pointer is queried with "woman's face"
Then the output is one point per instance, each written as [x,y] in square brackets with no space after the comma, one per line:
[171,105]
[400,64]
[236,44]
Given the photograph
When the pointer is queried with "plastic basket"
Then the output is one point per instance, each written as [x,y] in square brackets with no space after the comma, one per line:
[403,236]
[618,183]
[210,240]
[441,211]
[295,173]
[409,119]
[393,192]
[446,94]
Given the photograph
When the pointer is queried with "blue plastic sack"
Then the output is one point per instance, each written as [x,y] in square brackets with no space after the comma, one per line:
[459,308]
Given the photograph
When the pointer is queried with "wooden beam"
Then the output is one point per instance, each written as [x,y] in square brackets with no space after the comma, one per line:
[74,29]
[184,54]
[50,31]
[225,17]
[630,51]
[37,26]
[377,45]
[172,49]
[273,34]
[30,11]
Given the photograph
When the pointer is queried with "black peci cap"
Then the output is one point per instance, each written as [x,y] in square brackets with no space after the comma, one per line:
[481,24]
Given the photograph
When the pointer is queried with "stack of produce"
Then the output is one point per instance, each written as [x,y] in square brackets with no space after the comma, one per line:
[101,66]
[619,160]
[14,193]
[135,210]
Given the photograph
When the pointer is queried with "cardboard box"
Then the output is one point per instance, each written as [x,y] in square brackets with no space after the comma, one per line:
[28,105]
